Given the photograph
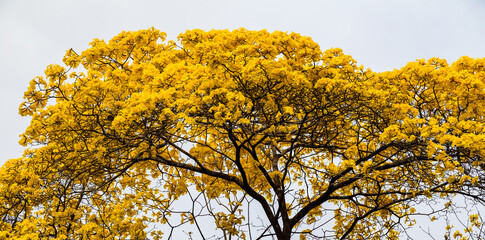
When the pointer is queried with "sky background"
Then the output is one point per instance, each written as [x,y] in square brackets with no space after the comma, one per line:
[379,34]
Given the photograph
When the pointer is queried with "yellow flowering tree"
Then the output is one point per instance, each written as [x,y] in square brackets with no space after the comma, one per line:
[141,137]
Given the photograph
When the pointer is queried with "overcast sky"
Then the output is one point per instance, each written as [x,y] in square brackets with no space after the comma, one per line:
[380,34]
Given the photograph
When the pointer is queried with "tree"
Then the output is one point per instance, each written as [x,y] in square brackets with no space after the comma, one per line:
[233,121]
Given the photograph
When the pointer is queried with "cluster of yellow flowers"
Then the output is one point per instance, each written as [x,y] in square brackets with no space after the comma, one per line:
[129,126]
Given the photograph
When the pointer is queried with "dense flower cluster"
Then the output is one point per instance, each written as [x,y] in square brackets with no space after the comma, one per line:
[230,118]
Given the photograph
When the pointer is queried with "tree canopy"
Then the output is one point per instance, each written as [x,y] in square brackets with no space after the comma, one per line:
[260,133]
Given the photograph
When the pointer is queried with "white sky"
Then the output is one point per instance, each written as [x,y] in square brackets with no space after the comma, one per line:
[380,34]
